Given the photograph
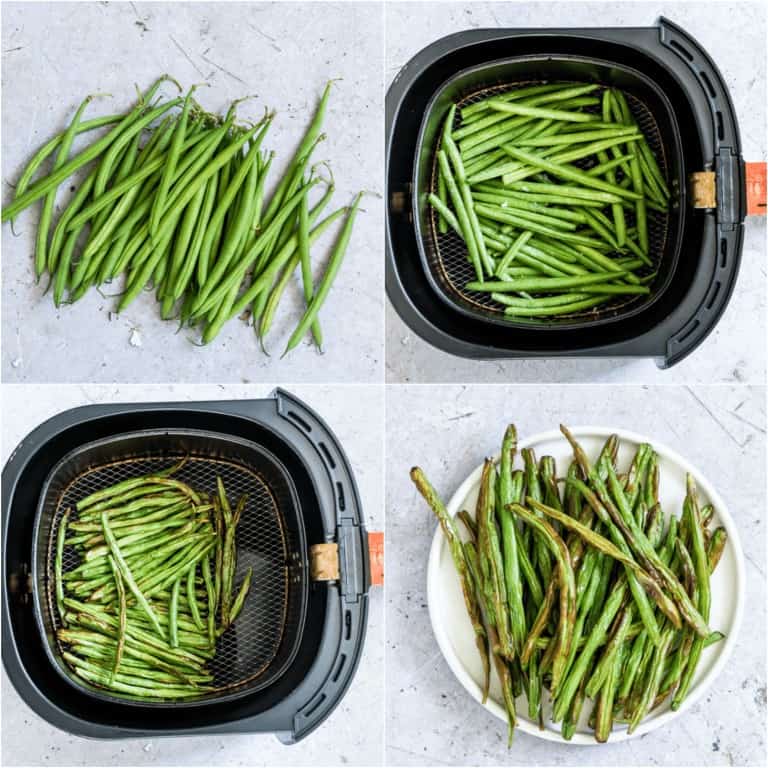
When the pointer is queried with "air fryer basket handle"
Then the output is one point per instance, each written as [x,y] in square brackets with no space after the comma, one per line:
[723,233]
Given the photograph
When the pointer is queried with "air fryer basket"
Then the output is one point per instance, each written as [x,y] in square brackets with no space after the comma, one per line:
[256,649]
[667,75]
[288,660]
[444,256]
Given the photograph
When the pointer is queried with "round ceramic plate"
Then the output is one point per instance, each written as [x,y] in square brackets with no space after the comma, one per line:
[453,629]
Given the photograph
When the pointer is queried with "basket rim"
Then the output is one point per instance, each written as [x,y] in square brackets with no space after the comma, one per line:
[38,577]
[536,325]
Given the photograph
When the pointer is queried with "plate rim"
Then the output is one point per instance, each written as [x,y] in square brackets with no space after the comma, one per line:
[649,724]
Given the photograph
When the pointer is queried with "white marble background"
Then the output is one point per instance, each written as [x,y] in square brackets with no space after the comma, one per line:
[448,430]
[353,734]
[734,34]
[53,54]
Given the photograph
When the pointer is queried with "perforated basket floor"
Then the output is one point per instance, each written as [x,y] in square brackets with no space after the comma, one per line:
[447,254]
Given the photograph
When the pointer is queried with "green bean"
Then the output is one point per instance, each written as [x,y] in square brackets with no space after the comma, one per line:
[173,613]
[462,215]
[641,583]
[571,174]
[567,588]
[60,237]
[288,252]
[641,544]
[44,224]
[549,114]
[239,601]
[606,166]
[52,181]
[650,162]
[469,207]
[596,637]
[526,216]
[574,138]
[604,710]
[579,193]
[716,547]
[442,197]
[123,621]
[183,258]
[326,281]
[457,553]
[474,581]
[169,168]
[513,250]
[515,218]
[165,231]
[241,219]
[653,681]
[446,215]
[58,563]
[218,285]
[306,267]
[45,151]
[516,93]
[192,600]
[542,284]
[211,596]
[126,574]
[540,302]
[193,263]
[601,227]
[489,549]
[702,573]
[508,494]
[510,198]
[539,624]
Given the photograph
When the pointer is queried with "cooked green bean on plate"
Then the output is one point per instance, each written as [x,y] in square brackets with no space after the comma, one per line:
[581,587]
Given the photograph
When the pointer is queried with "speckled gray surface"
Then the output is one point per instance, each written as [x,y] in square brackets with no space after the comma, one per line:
[354,732]
[447,430]
[56,53]
[734,34]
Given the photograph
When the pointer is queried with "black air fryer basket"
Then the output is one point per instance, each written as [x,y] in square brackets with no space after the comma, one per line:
[681,104]
[287,660]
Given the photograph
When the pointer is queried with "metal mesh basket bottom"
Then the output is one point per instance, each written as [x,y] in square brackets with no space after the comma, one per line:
[447,253]
[246,654]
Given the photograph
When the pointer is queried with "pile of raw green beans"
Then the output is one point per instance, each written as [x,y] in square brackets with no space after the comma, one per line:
[551,199]
[174,199]
[154,587]
[583,586]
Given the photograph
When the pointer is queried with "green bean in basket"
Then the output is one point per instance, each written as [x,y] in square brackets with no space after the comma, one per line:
[623,618]
[138,612]
[543,169]
[172,198]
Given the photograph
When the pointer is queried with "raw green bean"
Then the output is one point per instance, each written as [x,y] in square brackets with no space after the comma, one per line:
[58,564]
[43,227]
[324,286]
[306,267]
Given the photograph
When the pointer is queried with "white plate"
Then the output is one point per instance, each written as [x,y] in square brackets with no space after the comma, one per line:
[453,629]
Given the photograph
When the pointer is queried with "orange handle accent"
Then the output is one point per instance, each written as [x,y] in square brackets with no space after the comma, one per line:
[376,557]
[756,188]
